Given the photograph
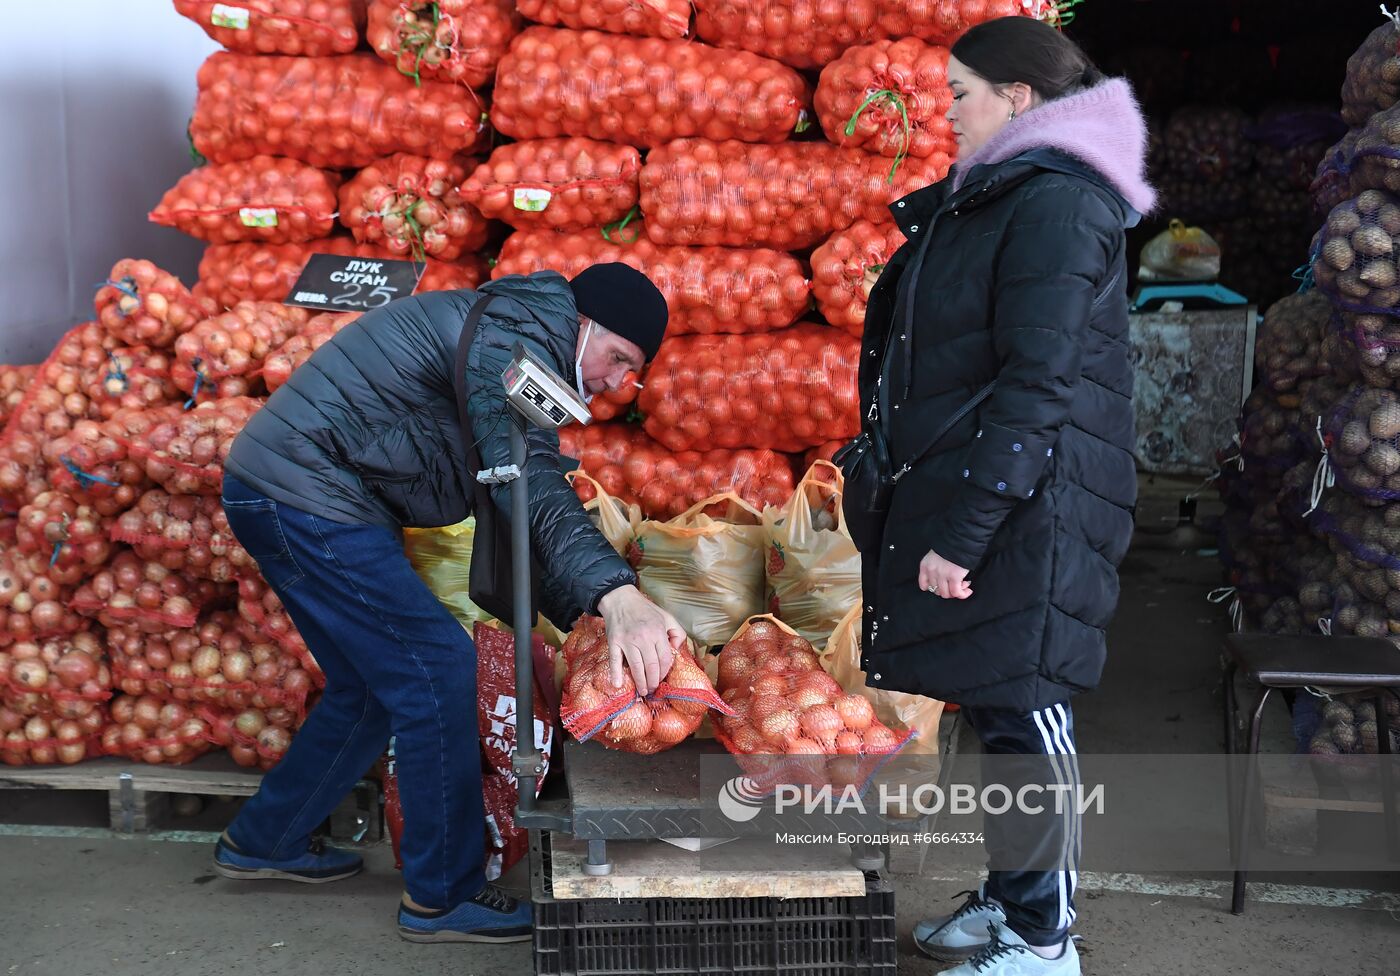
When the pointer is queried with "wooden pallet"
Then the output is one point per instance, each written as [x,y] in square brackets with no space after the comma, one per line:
[138,795]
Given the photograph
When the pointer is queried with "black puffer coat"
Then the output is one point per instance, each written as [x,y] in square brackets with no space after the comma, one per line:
[366,431]
[1022,284]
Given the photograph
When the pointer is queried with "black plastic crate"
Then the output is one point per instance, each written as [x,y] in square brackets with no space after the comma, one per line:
[829,936]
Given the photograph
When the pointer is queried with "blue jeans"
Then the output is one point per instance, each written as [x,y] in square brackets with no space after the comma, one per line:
[396,661]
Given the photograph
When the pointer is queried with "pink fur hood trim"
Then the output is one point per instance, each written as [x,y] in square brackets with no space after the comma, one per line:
[1101,126]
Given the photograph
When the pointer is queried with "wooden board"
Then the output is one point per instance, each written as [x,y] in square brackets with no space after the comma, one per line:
[138,794]
[740,869]
[215,773]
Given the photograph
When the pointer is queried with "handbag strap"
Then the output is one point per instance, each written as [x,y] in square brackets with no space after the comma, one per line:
[459,381]
[948,425]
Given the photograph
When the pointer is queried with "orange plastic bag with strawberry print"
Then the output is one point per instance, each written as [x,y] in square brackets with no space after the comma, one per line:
[896,709]
[811,564]
[705,566]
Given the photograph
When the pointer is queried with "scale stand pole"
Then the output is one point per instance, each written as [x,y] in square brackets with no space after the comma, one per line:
[526,762]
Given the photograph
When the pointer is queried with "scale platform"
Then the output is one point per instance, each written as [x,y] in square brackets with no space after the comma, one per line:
[607,795]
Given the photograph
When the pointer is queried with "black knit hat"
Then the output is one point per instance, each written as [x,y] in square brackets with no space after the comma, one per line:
[623,300]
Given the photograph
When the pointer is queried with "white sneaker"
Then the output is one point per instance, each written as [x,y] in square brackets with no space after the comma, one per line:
[1006,954]
[959,936]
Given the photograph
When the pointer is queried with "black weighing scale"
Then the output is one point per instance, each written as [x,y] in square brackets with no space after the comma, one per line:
[606,794]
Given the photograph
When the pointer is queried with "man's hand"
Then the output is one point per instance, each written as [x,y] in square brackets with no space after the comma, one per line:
[942,578]
[641,632]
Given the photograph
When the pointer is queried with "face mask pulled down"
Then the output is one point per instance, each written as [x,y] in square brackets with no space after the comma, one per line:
[578,363]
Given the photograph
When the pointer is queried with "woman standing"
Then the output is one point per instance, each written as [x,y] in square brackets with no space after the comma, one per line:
[996,572]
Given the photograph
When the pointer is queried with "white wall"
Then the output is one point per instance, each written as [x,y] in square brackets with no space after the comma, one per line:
[93,134]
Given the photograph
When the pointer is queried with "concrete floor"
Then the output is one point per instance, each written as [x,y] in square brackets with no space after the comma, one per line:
[100,905]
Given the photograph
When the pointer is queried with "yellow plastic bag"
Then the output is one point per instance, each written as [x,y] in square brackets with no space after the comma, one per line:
[1180,253]
[443,559]
[898,710]
[613,517]
[706,569]
[812,566]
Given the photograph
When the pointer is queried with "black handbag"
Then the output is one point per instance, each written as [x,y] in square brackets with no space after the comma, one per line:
[490,583]
[870,475]
[869,471]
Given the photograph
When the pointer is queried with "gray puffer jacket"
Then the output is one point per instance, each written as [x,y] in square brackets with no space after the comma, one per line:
[366,431]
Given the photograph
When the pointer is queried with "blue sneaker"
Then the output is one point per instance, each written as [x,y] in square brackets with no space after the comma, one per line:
[492,916]
[317,866]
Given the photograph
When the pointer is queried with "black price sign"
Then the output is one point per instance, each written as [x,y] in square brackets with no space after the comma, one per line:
[334,283]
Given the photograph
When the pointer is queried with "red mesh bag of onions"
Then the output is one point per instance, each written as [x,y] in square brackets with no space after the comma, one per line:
[33,605]
[231,273]
[266,198]
[135,378]
[444,40]
[642,92]
[789,196]
[253,736]
[222,356]
[708,289]
[791,721]
[556,184]
[184,533]
[73,538]
[51,405]
[14,382]
[146,729]
[619,718]
[812,33]
[413,206]
[222,661]
[184,450]
[653,18]
[62,677]
[259,606]
[141,305]
[633,467]
[332,113]
[41,740]
[846,267]
[281,364]
[787,390]
[145,595]
[300,28]
[889,97]
[89,466]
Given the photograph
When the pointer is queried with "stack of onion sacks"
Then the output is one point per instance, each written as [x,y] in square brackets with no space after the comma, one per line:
[785,705]
[619,717]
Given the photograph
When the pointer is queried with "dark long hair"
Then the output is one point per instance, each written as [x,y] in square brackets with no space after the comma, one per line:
[1012,49]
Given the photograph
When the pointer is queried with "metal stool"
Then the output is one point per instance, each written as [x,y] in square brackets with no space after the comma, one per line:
[1338,664]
